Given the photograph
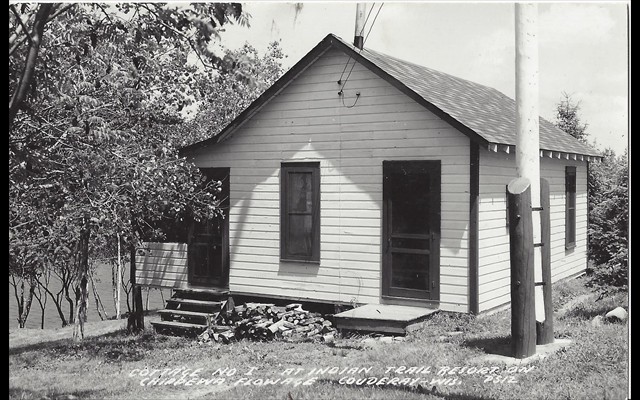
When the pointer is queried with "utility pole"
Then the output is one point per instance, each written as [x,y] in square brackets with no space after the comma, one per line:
[530,287]
[358,39]
[528,161]
[527,114]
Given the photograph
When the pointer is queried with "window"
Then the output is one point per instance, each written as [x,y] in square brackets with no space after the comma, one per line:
[300,212]
[570,207]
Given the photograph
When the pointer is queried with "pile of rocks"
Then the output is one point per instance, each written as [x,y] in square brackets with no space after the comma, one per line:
[262,322]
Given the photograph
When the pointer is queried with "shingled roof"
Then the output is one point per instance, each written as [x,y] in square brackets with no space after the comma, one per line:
[483,113]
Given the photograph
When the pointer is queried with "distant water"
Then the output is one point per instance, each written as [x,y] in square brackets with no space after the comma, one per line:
[102,280]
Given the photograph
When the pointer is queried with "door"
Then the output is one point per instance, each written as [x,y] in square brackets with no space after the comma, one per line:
[208,243]
[411,229]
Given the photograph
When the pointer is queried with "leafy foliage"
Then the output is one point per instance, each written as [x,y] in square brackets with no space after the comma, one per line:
[96,135]
[98,130]
[608,191]
[609,222]
[224,96]
[568,118]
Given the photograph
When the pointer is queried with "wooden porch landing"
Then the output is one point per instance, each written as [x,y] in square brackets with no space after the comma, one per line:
[385,318]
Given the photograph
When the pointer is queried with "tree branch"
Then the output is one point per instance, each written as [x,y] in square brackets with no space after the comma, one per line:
[22,224]
[18,31]
[20,21]
[177,32]
[20,93]
[17,44]
[60,11]
[104,12]
[14,45]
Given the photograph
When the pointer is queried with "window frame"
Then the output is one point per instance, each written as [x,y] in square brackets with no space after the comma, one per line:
[570,183]
[306,167]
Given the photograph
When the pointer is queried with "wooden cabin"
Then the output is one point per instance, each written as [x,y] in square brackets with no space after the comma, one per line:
[362,178]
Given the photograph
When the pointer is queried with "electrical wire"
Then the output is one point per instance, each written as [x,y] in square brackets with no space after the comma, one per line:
[363,42]
[354,102]
[372,24]
[359,52]
[363,26]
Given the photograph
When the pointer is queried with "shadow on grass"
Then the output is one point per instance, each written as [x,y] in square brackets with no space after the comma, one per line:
[588,311]
[52,344]
[499,345]
[19,393]
[113,346]
[583,313]
[345,346]
[412,389]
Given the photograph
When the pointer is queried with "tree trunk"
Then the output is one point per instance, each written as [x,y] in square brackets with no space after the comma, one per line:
[20,93]
[27,307]
[58,302]
[42,302]
[82,293]
[118,280]
[66,279]
[70,302]
[102,313]
[129,306]
[136,319]
[17,296]
[42,298]
[43,306]
[24,305]
[21,321]
[113,288]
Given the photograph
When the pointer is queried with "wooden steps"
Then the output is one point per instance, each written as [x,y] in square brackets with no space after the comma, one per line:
[212,291]
[185,314]
[180,326]
[188,310]
[384,318]
[181,302]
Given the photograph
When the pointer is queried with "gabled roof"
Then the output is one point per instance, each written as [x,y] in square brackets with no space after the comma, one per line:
[484,114]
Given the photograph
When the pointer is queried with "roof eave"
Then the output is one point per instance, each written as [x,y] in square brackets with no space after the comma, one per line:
[546,153]
[299,67]
[333,41]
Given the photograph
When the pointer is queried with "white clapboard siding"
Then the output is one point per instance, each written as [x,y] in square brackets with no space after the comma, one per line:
[307,121]
[496,171]
[162,265]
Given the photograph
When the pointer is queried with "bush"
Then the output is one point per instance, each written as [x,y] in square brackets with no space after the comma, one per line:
[609,222]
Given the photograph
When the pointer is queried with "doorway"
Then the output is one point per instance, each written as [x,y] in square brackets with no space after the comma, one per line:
[411,230]
[208,241]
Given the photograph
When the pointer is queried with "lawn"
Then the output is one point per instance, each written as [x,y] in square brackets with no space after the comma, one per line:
[422,366]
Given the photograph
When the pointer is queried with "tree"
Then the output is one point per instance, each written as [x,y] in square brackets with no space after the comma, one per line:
[92,149]
[609,222]
[193,26]
[26,263]
[20,33]
[607,190]
[568,119]
[223,96]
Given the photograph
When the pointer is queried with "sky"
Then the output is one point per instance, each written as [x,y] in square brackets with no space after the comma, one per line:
[583,48]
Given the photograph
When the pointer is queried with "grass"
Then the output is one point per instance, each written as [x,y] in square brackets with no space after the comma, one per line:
[594,366]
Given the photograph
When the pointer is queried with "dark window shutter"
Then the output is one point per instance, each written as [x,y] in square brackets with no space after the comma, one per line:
[570,207]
